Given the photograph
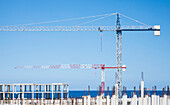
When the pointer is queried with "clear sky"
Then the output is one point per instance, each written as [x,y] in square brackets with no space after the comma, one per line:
[142,51]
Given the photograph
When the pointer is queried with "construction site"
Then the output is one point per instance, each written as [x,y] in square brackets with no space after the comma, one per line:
[58,93]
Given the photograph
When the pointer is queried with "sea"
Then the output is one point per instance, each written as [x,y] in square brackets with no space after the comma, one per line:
[79,94]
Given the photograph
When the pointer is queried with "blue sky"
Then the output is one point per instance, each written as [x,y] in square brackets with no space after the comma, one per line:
[142,51]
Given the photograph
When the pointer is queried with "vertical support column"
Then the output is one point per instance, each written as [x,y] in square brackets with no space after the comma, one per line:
[134,100]
[103,81]
[119,58]
[153,98]
[165,101]
[100,101]
[55,91]
[26,91]
[32,94]
[114,98]
[43,95]
[49,91]
[40,94]
[45,91]
[142,87]
[145,100]
[116,90]
[107,100]
[33,91]
[52,93]
[107,97]
[84,100]
[88,99]
[168,95]
[97,100]
[30,91]
[58,92]
[124,96]
[142,90]
[61,94]
[8,90]
[3,92]
[158,100]
[67,91]
[124,100]
[36,92]
[62,91]
[13,93]
[22,91]
[42,98]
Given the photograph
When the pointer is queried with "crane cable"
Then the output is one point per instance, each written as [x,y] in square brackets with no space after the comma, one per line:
[135,20]
[96,19]
[101,41]
[66,19]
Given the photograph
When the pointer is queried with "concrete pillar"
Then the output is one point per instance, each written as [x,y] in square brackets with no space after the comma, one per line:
[161,100]
[158,100]
[74,101]
[107,100]
[3,91]
[13,94]
[168,101]
[142,89]
[165,101]
[52,93]
[97,100]
[84,100]
[124,99]
[114,100]
[149,100]
[23,95]
[116,89]
[146,100]
[67,91]
[32,91]
[61,91]
[153,99]
[140,101]
[42,98]
[11,102]
[100,99]
[88,99]
[134,100]
[62,95]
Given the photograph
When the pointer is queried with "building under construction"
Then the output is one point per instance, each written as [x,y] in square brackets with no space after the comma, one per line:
[58,94]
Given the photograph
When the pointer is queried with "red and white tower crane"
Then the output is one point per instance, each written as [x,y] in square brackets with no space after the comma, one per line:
[76,66]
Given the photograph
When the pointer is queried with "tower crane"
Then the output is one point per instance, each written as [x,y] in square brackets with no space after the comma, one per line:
[118,29]
[76,66]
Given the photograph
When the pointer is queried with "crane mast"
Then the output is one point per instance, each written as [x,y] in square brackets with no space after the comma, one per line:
[119,56]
